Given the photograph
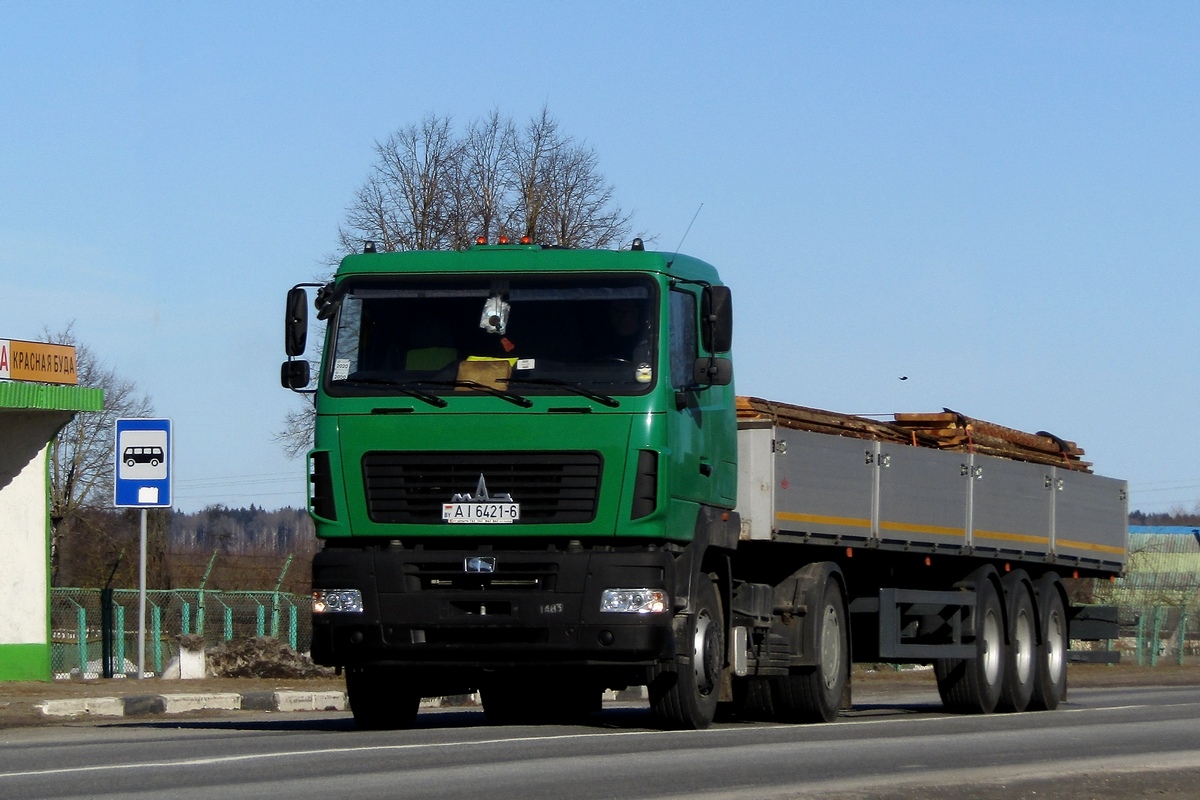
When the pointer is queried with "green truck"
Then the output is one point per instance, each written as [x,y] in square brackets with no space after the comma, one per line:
[530,479]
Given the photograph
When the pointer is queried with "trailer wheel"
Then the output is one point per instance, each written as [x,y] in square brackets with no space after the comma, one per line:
[684,691]
[814,693]
[380,699]
[1050,683]
[1020,666]
[972,686]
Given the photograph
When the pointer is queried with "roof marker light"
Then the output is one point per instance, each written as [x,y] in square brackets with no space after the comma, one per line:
[526,240]
[481,240]
[503,240]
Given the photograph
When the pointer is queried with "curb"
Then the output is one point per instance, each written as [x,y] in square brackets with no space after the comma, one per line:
[153,704]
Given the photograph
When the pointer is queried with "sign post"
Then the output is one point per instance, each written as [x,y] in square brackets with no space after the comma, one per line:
[143,480]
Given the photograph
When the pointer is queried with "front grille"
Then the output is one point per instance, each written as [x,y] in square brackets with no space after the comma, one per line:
[410,487]
[510,575]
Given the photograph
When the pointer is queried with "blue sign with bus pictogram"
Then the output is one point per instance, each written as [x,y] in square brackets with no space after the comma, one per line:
[143,461]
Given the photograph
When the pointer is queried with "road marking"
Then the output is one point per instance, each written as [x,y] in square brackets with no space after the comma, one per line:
[246,757]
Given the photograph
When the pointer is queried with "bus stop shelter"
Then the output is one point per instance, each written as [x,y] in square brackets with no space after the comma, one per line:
[31,414]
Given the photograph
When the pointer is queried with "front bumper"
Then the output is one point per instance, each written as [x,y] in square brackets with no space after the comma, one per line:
[537,608]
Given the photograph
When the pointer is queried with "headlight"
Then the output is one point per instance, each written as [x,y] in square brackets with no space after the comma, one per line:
[634,601]
[333,601]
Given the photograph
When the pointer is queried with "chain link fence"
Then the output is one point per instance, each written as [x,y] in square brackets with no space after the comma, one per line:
[78,618]
[1158,597]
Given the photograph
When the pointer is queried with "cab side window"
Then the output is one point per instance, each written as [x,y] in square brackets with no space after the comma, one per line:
[683,338]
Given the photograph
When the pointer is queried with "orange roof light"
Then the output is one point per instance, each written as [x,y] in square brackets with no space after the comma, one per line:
[503,240]
[481,240]
[526,240]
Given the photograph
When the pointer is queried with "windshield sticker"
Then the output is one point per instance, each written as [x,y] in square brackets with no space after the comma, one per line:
[341,369]
[525,363]
[644,373]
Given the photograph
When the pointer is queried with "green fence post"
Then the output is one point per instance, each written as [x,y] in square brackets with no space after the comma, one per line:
[120,654]
[260,619]
[200,614]
[81,633]
[185,618]
[228,623]
[1141,639]
[1181,637]
[156,628]
[292,625]
[1156,636]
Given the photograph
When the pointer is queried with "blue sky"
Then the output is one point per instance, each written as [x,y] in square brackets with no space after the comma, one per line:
[997,200]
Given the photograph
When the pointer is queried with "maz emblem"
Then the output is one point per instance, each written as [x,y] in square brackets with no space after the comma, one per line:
[479,564]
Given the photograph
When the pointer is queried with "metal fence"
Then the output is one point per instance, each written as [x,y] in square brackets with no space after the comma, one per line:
[77,625]
[1158,597]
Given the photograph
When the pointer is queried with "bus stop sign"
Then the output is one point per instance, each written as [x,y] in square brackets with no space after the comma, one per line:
[143,460]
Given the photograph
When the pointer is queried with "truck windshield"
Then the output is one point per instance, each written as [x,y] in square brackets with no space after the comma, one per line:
[532,335]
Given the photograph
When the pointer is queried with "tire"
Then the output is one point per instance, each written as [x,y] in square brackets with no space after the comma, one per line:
[1020,667]
[380,698]
[814,693]
[1050,680]
[129,462]
[972,686]
[684,691]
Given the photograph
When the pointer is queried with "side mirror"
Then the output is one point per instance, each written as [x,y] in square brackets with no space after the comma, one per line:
[294,375]
[716,319]
[712,372]
[295,328]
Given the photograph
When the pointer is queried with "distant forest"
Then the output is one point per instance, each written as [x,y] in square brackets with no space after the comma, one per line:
[1173,518]
[219,547]
[238,548]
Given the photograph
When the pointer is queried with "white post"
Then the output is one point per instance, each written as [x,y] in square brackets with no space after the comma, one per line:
[142,600]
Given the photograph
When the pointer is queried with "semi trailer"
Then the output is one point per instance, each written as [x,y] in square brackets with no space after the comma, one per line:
[531,477]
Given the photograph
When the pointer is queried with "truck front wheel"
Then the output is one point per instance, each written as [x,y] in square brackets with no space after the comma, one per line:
[684,691]
[381,698]
[814,693]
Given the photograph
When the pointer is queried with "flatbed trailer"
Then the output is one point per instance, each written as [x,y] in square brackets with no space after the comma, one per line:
[898,518]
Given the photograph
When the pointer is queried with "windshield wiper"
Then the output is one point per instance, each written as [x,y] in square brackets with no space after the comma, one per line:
[515,399]
[400,386]
[603,399]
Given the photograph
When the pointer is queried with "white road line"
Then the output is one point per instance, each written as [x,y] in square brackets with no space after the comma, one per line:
[246,757]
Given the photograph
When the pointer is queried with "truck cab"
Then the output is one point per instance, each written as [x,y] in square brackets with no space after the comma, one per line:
[522,457]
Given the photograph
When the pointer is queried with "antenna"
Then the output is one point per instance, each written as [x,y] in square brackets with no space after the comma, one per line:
[688,230]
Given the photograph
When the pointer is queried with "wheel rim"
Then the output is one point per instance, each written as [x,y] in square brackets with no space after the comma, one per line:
[991,646]
[1055,646]
[831,646]
[704,653]
[1023,645]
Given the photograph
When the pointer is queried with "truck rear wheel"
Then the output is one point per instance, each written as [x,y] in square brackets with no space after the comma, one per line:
[1020,655]
[380,698]
[1050,682]
[972,685]
[684,691]
[814,693]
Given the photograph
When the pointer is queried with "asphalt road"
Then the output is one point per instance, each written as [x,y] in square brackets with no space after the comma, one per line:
[1104,743]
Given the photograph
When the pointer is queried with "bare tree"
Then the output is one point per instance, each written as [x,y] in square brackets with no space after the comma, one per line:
[82,467]
[430,189]
[433,190]
[296,436]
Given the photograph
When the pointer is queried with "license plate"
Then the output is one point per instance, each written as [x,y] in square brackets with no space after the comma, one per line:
[480,513]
